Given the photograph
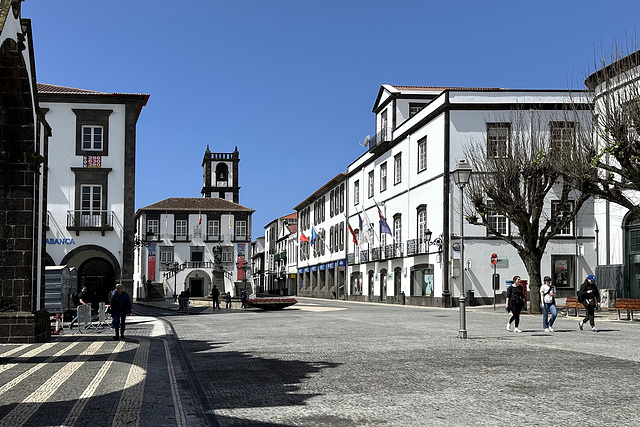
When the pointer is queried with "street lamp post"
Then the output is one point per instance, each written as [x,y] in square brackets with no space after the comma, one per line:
[461,175]
[175,281]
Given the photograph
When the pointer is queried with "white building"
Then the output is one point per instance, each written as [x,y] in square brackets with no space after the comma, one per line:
[192,243]
[405,177]
[618,247]
[322,251]
[280,254]
[91,183]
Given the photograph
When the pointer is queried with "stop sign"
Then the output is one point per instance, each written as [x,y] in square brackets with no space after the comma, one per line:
[494,259]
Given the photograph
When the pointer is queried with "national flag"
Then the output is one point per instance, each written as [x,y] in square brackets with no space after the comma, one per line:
[366,228]
[314,235]
[229,222]
[384,227]
[199,218]
[303,238]
[353,233]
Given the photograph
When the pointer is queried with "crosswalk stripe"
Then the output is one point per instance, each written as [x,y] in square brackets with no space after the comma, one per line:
[177,403]
[25,409]
[130,404]
[28,354]
[14,350]
[78,407]
[34,369]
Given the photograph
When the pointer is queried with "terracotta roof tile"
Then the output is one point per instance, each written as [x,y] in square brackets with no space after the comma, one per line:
[55,89]
[194,204]
[442,88]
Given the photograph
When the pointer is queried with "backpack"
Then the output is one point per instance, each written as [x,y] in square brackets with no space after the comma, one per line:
[75,298]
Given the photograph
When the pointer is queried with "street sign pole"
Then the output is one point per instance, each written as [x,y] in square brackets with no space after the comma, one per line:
[494,261]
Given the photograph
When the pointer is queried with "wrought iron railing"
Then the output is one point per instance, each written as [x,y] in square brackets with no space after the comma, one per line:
[80,219]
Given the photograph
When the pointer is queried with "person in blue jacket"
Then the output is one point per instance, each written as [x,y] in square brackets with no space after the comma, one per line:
[120,308]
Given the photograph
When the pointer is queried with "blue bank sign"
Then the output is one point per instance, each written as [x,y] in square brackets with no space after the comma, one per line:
[60,242]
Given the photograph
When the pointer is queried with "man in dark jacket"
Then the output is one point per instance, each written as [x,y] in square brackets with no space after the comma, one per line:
[120,308]
[215,295]
[589,296]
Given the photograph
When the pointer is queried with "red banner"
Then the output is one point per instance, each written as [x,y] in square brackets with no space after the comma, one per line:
[151,264]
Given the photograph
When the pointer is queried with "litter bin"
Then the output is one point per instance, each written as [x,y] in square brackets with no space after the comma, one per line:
[470,297]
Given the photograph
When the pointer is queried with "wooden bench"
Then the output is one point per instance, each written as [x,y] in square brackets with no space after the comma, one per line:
[626,304]
[572,303]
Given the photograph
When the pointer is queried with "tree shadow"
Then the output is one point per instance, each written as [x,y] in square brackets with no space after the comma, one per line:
[232,379]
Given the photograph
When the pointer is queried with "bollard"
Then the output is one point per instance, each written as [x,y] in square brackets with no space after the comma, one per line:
[462,333]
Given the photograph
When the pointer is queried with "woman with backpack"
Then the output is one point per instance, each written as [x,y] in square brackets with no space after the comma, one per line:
[514,303]
[589,296]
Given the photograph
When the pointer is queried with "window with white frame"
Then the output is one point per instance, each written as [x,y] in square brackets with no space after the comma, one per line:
[356,192]
[166,256]
[397,163]
[241,229]
[422,222]
[397,229]
[91,138]
[227,254]
[153,226]
[563,139]
[370,185]
[498,135]
[91,205]
[383,177]
[181,228]
[213,229]
[560,211]
[414,108]
[422,154]
[496,220]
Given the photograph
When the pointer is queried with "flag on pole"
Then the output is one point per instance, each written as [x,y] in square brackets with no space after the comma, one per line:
[199,218]
[353,233]
[384,227]
[303,238]
[366,228]
[314,235]
[229,222]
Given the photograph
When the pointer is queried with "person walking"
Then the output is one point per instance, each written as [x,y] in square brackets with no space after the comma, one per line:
[548,304]
[120,309]
[589,296]
[227,300]
[243,298]
[514,303]
[215,295]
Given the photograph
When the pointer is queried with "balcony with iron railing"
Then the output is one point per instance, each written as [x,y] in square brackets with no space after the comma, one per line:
[80,220]
[380,141]
[394,250]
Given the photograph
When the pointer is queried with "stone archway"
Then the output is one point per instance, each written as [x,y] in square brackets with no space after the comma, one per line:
[97,268]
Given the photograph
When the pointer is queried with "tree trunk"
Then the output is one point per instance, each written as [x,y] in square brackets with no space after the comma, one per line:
[532,261]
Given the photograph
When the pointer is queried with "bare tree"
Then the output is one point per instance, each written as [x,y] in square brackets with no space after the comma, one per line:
[520,173]
[614,147]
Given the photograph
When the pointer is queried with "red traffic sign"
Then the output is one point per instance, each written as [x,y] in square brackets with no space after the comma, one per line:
[494,259]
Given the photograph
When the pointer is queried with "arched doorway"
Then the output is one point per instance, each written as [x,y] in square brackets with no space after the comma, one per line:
[397,284]
[97,275]
[383,285]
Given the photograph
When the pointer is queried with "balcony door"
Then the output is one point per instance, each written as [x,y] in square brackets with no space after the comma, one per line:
[91,206]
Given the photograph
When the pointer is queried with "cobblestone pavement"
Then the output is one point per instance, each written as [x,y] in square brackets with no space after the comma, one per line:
[337,363]
[88,379]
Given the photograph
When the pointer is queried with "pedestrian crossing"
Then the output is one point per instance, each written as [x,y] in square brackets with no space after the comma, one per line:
[85,380]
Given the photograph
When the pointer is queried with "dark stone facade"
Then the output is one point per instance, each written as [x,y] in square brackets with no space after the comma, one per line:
[22,198]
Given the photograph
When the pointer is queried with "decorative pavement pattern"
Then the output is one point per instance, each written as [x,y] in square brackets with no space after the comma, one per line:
[89,379]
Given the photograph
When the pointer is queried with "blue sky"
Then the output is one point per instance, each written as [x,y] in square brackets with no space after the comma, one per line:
[292,83]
